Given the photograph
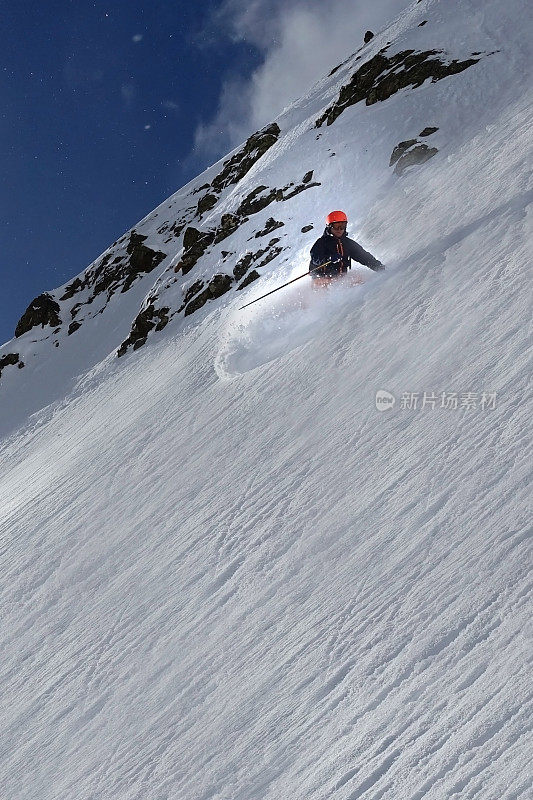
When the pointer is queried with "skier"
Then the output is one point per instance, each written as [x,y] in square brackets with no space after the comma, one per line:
[335,250]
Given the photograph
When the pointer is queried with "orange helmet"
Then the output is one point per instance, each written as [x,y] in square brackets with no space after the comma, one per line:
[336,216]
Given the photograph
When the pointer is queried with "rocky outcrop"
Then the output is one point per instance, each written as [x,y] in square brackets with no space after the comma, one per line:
[287,195]
[260,198]
[73,327]
[264,256]
[270,226]
[400,149]
[206,203]
[228,225]
[142,259]
[193,289]
[174,228]
[149,319]
[250,278]
[217,286]
[236,168]
[411,152]
[197,242]
[416,155]
[117,272]
[198,293]
[43,310]
[10,360]
[238,165]
[242,266]
[268,254]
[382,76]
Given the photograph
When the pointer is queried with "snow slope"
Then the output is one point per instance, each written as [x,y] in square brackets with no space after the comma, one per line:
[226,573]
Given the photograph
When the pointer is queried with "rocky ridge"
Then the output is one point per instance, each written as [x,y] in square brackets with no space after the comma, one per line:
[384,75]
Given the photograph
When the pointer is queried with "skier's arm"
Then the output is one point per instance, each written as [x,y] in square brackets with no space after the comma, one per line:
[320,257]
[363,256]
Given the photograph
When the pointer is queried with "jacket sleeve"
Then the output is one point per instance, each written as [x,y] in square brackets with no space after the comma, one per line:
[362,256]
[318,253]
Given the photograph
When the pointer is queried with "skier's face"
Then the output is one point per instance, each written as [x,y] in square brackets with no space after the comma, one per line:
[338,229]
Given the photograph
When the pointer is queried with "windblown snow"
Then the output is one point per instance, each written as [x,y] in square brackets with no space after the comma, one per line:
[284,552]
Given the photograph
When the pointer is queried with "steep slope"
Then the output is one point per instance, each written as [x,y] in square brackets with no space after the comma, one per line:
[227,574]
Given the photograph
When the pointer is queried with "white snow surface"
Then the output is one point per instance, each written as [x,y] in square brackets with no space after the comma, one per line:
[226,575]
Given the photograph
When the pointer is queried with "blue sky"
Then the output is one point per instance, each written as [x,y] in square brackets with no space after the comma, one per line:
[110,107]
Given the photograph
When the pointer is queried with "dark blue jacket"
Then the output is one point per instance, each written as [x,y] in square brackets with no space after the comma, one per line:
[342,250]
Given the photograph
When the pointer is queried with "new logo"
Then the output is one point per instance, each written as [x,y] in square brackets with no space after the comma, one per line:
[384,400]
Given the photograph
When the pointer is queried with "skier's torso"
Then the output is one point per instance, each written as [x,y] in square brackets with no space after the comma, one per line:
[342,250]
[329,248]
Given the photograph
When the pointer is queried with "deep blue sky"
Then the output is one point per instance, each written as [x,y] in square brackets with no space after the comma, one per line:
[97,127]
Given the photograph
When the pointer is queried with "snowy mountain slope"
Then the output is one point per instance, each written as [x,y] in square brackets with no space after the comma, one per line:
[227,574]
[224,232]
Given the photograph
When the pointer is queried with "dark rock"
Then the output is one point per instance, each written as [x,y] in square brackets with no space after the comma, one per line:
[147,320]
[400,149]
[428,131]
[206,203]
[190,237]
[307,228]
[271,225]
[239,164]
[272,253]
[242,266]
[228,225]
[21,365]
[195,244]
[175,229]
[307,177]
[9,360]
[421,24]
[193,289]
[164,319]
[142,259]
[71,289]
[135,240]
[256,201]
[73,327]
[43,310]
[218,285]
[253,276]
[301,188]
[368,36]
[418,155]
[123,270]
[382,76]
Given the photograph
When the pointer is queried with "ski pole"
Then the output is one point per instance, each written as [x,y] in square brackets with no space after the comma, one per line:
[325,264]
